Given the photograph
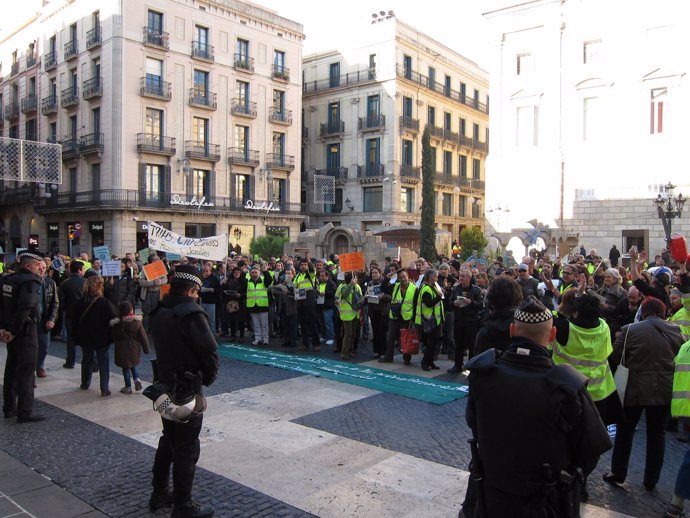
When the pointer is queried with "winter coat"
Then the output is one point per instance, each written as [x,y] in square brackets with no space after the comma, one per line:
[123,288]
[650,350]
[93,330]
[495,331]
[71,290]
[130,338]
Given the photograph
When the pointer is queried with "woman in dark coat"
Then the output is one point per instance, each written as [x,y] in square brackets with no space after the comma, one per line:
[502,297]
[91,316]
[234,291]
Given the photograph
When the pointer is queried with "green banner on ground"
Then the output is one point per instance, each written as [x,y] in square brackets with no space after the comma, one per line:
[408,385]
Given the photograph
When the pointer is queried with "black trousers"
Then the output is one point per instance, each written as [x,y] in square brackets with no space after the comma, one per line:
[179,447]
[20,371]
[394,327]
[307,323]
[379,326]
[465,336]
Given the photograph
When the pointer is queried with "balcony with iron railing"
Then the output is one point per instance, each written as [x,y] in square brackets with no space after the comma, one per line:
[409,124]
[342,81]
[280,161]
[202,98]
[404,72]
[70,147]
[435,131]
[464,183]
[410,172]
[12,110]
[29,103]
[156,88]
[50,60]
[2,115]
[374,122]
[155,144]
[93,37]
[14,69]
[473,144]
[91,143]
[332,128]
[243,108]
[280,116]
[280,72]
[92,88]
[203,51]
[31,60]
[370,171]
[243,156]
[243,63]
[339,173]
[202,150]
[71,50]
[69,97]
[156,38]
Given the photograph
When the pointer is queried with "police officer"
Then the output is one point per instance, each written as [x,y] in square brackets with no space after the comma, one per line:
[186,359]
[18,320]
[535,427]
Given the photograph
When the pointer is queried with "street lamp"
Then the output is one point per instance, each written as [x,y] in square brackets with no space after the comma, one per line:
[668,208]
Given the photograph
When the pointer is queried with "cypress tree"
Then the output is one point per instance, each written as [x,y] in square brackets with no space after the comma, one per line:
[428,223]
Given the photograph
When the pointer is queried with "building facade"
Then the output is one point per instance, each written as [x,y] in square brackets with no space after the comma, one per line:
[364,111]
[184,113]
[588,115]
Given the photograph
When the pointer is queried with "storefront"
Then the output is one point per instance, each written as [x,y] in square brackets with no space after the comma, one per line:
[97,231]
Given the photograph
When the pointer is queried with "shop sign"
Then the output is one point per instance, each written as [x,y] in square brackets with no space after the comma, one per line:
[176,199]
[53,228]
[267,207]
[95,226]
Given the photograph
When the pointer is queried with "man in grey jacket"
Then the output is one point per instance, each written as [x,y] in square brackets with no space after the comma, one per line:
[48,306]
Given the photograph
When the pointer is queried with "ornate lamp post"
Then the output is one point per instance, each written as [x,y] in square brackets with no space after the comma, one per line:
[669,208]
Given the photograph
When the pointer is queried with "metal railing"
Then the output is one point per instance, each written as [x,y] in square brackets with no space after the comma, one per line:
[14,69]
[92,87]
[50,59]
[339,173]
[459,181]
[29,103]
[11,110]
[243,108]
[71,50]
[150,143]
[280,116]
[70,147]
[91,143]
[156,38]
[409,123]
[30,60]
[202,98]
[201,50]
[238,155]
[332,128]
[435,131]
[372,122]
[280,72]
[369,170]
[155,88]
[69,96]
[410,171]
[93,37]
[202,150]
[280,161]
[349,79]
[243,62]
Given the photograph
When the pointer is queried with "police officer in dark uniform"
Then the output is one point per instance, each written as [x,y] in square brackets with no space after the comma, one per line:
[18,320]
[186,359]
[537,433]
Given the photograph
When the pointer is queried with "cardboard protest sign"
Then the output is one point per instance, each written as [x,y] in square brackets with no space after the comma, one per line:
[164,290]
[352,262]
[144,254]
[102,253]
[110,269]
[170,256]
[58,264]
[155,270]
[212,248]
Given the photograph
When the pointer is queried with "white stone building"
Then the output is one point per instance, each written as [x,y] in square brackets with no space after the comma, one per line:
[364,110]
[588,115]
[184,113]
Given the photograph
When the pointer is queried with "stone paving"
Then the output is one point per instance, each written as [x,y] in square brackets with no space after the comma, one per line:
[276,443]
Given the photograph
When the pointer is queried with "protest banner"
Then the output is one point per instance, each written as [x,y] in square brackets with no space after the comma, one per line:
[110,269]
[155,270]
[213,248]
[352,262]
[102,253]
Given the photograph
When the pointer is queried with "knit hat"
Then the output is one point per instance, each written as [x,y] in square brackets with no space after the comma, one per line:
[187,272]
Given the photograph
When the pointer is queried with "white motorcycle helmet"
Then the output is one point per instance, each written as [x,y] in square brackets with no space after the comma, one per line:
[182,411]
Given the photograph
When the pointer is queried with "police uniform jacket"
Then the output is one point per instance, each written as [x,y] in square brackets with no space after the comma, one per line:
[20,292]
[183,340]
[526,412]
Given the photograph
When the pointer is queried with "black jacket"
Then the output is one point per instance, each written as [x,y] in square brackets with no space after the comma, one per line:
[71,291]
[19,302]
[495,331]
[91,325]
[468,314]
[51,302]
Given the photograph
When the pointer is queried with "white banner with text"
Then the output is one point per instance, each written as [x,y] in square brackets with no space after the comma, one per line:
[214,248]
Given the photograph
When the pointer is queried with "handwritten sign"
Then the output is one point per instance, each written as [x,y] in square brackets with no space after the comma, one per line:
[102,253]
[110,269]
[155,270]
[170,256]
[352,262]
[213,248]
[144,254]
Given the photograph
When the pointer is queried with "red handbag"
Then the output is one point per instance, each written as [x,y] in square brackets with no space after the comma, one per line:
[409,341]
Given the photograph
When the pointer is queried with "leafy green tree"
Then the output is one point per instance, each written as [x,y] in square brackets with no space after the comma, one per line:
[428,221]
[267,246]
[472,239]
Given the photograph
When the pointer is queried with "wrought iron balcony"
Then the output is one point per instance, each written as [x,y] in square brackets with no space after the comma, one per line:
[280,116]
[93,37]
[243,108]
[345,80]
[71,50]
[156,144]
[451,136]
[202,150]
[70,147]
[69,97]
[202,98]
[14,69]
[372,122]
[50,60]
[12,110]
[332,128]
[30,60]
[92,87]
[29,104]
[409,123]
[156,38]
[280,161]
[410,171]
[243,63]
[460,181]
[202,51]
[436,131]
[280,73]
[91,143]
[369,170]
[339,173]
[156,88]
[242,156]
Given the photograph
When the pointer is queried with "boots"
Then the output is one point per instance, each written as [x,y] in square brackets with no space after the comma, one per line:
[191,509]
[160,498]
